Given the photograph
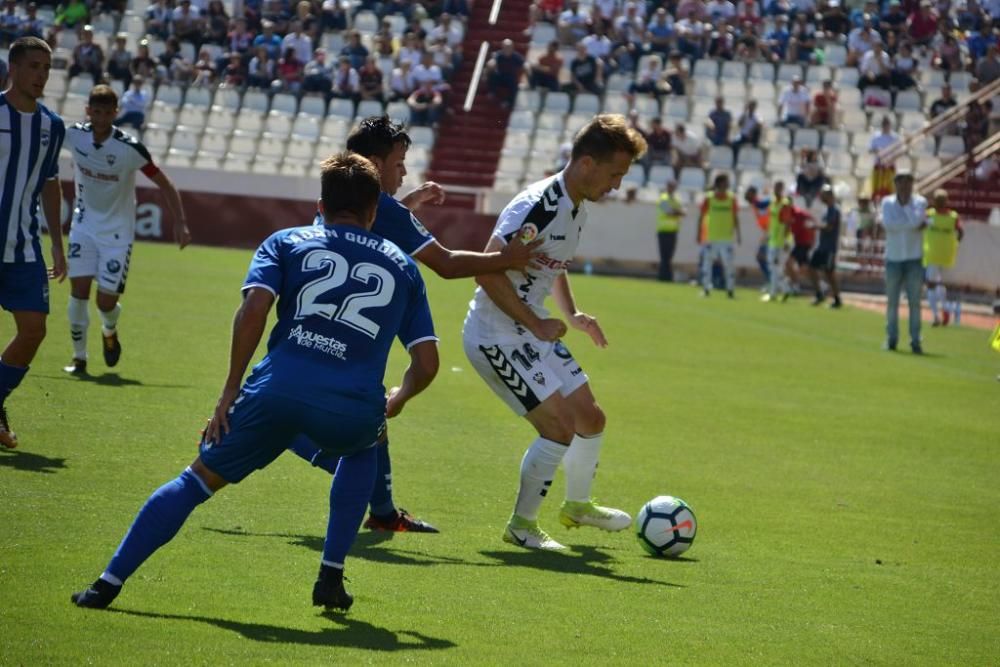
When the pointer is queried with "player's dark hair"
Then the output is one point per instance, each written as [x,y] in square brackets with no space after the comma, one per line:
[349,182]
[102,96]
[606,135]
[22,45]
[377,136]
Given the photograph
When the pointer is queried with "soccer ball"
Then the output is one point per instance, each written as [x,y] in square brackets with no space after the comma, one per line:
[666,526]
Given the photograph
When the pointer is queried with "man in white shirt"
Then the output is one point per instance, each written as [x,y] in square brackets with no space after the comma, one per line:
[904,217]
[794,104]
[135,101]
[299,41]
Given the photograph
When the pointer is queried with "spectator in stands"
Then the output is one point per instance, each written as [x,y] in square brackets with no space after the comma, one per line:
[904,216]
[803,42]
[976,124]
[720,12]
[188,24]
[606,10]
[599,45]
[393,7]
[240,38]
[460,9]
[694,10]
[875,69]
[547,11]
[88,58]
[354,50]
[586,73]
[370,81]
[893,19]
[658,144]
[545,71]
[442,56]
[778,39]
[861,40]
[217,23]
[425,105]
[261,70]
[948,56]
[120,61]
[10,24]
[811,175]
[289,72]
[904,68]
[134,103]
[676,74]
[334,16]
[687,149]
[346,82]
[504,73]
[922,24]
[278,12]
[72,14]
[722,43]
[428,71]
[942,104]
[660,32]
[268,40]
[401,83]
[691,37]
[748,127]
[794,104]
[649,80]
[204,70]
[158,19]
[834,19]
[884,170]
[720,122]
[573,24]
[824,107]
[31,25]
[988,68]
[628,35]
[299,41]
[451,30]
[235,73]
[416,27]
[384,41]
[317,76]
[142,64]
[307,14]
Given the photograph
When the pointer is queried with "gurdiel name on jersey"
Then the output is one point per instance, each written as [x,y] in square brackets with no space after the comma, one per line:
[317,232]
[318,342]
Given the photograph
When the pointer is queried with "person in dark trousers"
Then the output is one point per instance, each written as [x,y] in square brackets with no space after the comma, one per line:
[669,213]
[824,257]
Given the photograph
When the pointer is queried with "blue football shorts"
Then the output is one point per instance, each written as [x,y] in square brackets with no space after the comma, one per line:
[263,425]
[24,286]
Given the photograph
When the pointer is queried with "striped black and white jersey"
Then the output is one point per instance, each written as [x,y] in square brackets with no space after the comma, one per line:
[542,211]
[105,183]
[29,156]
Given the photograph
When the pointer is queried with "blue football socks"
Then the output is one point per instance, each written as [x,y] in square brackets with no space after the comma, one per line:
[349,494]
[10,377]
[156,524]
[381,501]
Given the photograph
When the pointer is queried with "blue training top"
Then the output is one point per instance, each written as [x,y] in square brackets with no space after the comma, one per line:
[397,223]
[343,294]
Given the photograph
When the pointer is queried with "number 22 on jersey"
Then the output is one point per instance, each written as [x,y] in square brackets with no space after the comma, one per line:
[337,269]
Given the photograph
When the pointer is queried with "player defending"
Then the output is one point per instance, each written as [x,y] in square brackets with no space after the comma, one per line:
[105,160]
[779,214]
[515,346]
[718,211]
[322,375]
[941,238]
[30,138]
[385,143]
[824,256]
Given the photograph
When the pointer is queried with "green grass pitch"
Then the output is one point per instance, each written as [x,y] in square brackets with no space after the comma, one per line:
[848,498]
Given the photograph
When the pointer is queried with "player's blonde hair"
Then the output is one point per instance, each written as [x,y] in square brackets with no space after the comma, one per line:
[102,95]
[349,183]
[606,135]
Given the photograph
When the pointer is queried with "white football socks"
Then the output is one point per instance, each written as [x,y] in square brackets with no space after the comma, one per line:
[79,320]
[538,467]
[109,319]
[580,465]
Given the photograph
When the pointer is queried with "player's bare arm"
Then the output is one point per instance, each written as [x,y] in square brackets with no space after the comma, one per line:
[181,232]
[450,264]
[52,207]
[423,367]
[501,291]
[563,295]
[428,193]
[248,327]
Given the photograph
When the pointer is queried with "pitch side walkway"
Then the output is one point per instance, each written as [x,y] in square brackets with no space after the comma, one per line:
[976,316]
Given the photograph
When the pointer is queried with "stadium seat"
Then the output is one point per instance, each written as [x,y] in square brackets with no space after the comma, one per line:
[806,137]
[647,106]
[846,77]
[278,124]
[911,122]
[301,149]
[169,94]
[511,166]
[557,102]
[700,110]
[227,98]
[734,91]
[221,120]
[56,86]
[366,21]
[306,127]
[720,157]
[960,82]
[313,106]
[705,87]
[734,70]
[156,140]
[836,55]
[839,163]
[817,74]
[761,72]
[659,175]
[162,116]
[133,25]
[778,137]
[950,147]
[422,136]
[271,147]
[705,69]
[528,100]
[296,168]
[748,177]
[616,83]
[341,108]
[587,104]
[636,176]
[787,72]
[691,179]
[522,120]
[254,100]
[780,160]
[750,158]
[835,140]
[616,104]
[369,108]
[546,143]
[213,144]
[863,165]
[185,140]
[243,144]
[876,100]
[542,33]
[510,185]
[284,103]
[908,100]
[200,98]
[193,117]
[263,165]
[250,121]
[80,85]
[517,142]
[575,122]
[676,108]
[762,91]
[176,158]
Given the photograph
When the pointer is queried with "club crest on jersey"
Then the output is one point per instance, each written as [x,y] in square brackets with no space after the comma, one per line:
[111,160]
[44,138]
[419,225]
[114,266]
[539,378]
[529,232]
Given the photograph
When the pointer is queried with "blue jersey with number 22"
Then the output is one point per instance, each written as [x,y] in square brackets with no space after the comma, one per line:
[343,295]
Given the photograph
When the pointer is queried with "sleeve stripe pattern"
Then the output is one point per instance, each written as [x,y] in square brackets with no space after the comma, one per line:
[544,211]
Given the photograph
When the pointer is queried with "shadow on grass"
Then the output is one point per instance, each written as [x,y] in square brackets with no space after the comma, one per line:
[111,380]
[351,633]
[365,547]
[582,560]
[29,461]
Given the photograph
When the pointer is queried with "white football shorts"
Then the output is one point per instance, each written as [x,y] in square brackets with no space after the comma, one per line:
[524,374]
[107,264]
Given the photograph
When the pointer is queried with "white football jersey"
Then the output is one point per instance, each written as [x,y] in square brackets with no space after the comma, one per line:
[105,183]
[543,210]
